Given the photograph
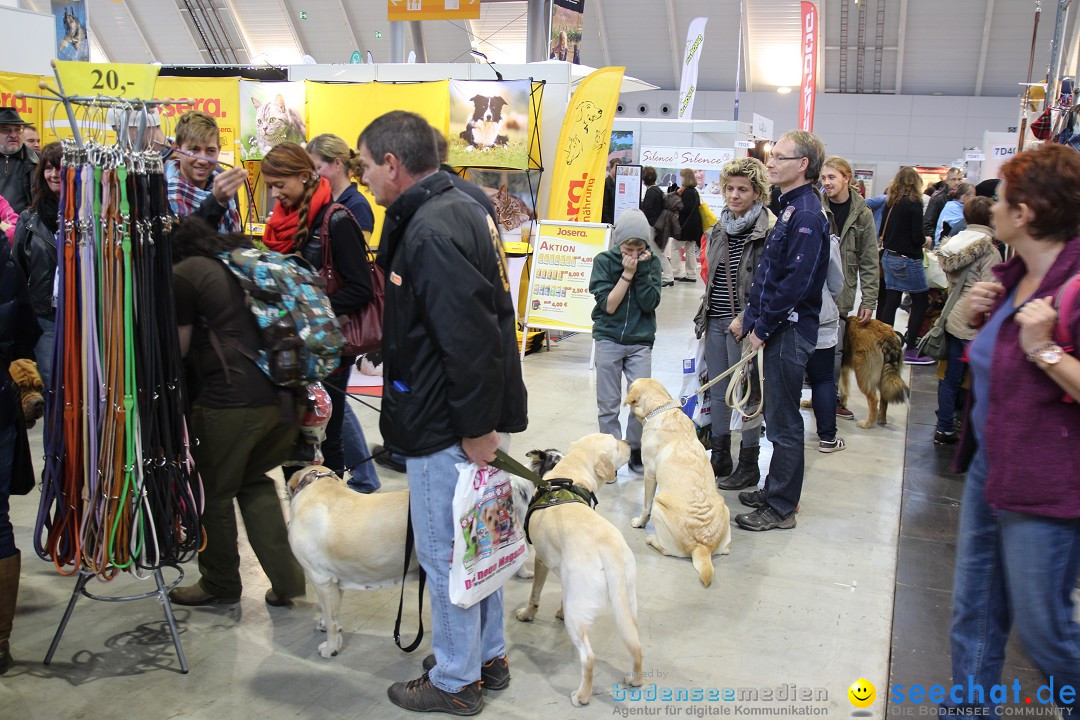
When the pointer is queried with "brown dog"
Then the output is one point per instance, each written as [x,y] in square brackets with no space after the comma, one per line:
[691,518]
[875,353]
[24,374]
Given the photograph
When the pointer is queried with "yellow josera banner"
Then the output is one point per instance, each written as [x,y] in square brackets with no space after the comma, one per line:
[562,262]
[577,180]
[29,110]
[217,97]
[345,110]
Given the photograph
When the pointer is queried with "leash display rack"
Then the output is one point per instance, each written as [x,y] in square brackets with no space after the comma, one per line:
[119,489]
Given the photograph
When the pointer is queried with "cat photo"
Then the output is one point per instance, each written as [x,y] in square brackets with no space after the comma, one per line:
[272,114]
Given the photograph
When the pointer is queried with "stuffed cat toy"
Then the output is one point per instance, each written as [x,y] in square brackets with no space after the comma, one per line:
[275,123]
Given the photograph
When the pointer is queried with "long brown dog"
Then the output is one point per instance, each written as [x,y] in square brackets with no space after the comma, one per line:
[876,355]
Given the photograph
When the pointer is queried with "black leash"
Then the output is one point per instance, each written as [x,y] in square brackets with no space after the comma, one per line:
[401,601]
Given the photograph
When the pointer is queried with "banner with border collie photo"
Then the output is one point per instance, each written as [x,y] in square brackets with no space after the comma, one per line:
[489,123]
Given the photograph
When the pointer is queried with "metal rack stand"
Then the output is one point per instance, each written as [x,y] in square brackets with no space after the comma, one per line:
[162,590]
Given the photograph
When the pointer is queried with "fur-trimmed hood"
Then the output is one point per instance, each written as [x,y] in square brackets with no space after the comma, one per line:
[964,248]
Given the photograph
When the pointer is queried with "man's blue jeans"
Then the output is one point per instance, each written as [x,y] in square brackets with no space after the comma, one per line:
[786,355]
[462,639]
[1013,568]
[950,386]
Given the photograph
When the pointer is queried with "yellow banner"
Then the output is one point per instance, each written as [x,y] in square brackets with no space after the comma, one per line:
[28,109]
[367,101]
[217,97]
[126,80]
[432,10]
[562,260]
[577,180]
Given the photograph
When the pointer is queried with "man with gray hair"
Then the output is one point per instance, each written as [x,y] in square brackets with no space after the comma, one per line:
[451,385]
[781,315]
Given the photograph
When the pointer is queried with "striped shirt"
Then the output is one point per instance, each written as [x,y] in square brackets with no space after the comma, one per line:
[724,296]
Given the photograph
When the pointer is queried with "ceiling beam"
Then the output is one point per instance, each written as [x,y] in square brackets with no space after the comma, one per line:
[348,25]
[987,22]
[605,50]
[240,31]
[137,25]
[291,25]
[748,66]
[676,64]
[195,41]
[900,47]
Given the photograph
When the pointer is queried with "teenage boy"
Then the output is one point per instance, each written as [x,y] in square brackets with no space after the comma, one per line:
[626,284]
[197,184]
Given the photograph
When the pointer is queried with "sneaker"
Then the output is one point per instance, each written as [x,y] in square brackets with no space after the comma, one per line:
[843,412]
[753,499]
[831,446]
[384,458]
[765,518]
[944,438]
[195,596]
[420,695]
[687,279]
[494,674]
[635,464]
[667,283]
[912,357]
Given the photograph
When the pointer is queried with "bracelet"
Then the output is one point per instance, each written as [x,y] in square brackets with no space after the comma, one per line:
[627,279]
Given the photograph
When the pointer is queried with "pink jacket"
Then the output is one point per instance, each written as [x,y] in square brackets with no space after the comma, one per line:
[10,217]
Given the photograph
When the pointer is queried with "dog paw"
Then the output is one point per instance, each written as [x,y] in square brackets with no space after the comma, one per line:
[882,423]
[865,424]
[578,701]
[632,680]
[524,573]
[525,614]
[328,650]
[638,522]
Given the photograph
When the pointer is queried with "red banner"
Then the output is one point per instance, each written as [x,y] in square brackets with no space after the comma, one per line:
[809,66]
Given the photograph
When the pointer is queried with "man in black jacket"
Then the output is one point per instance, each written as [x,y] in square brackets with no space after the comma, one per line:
[451,383]
[953,178]
[17,161]
[607,213]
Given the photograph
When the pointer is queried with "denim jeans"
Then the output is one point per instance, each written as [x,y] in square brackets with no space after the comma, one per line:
[819,371]
[948,389]
[1012,567]
[722,351]
[364,478]
[43,351]
[786,355]
[462,638]
[7,455]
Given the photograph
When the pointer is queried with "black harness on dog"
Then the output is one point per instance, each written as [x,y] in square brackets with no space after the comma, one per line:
[557,491]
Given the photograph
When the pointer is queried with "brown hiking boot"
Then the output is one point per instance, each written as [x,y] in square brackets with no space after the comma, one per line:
[420,695]
[494,674]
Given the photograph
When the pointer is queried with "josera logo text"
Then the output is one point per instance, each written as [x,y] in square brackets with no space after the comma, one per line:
[210,106]
[22,105]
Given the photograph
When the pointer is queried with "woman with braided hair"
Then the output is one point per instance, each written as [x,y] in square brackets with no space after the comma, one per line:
[303,199]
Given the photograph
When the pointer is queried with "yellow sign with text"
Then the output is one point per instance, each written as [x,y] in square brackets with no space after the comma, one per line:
[28,108]
[124,80]
[433,10]
[217,97]
[562,261]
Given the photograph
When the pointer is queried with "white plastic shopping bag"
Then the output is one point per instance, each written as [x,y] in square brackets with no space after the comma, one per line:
[697,407]
[489,542]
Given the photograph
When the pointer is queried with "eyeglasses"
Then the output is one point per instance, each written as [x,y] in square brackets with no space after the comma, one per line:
[779,158]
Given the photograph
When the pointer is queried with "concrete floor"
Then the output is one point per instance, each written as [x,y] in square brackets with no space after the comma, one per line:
[811,607]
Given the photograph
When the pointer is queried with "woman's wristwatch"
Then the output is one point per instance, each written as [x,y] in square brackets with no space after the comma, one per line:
[1046,355]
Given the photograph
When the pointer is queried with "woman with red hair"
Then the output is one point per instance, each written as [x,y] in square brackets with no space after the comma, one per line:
[1018,547]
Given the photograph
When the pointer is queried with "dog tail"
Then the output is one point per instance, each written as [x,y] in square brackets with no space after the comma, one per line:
[702,563]
[893,388]
[621,580]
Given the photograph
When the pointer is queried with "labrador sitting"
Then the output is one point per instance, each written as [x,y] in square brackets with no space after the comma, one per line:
[690,517]
[323,533]
[589,554]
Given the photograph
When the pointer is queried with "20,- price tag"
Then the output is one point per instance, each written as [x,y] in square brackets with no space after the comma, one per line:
[126,80]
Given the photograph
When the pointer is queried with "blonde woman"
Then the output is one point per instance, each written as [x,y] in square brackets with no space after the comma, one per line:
[339,164]
[732,251]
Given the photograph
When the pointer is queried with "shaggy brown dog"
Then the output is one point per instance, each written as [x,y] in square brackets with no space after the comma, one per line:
[24,374]
[875,353]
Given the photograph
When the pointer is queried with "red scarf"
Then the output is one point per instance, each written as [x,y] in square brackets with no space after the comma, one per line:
[280,233]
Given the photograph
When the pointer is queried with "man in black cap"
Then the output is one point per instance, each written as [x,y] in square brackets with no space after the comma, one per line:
[17,161]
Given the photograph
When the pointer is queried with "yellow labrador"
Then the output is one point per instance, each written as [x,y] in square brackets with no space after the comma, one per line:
[590,555]
[690,517]
[345,540]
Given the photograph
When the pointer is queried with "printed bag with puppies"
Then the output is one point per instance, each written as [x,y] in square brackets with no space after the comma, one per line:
[489,543]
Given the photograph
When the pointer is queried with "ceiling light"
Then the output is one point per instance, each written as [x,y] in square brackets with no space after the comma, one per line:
[783,90]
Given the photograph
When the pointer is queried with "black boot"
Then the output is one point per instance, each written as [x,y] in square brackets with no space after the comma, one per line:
[746,474]
[721,456]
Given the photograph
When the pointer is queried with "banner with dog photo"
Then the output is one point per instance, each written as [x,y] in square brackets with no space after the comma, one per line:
[271,113]
[72,30]
[489,123]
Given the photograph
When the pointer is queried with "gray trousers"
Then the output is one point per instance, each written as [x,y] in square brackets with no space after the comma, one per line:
[612,362]
[722,351]
[665,262]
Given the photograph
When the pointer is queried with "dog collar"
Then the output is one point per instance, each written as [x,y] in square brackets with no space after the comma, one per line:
[673,405]
[309,478]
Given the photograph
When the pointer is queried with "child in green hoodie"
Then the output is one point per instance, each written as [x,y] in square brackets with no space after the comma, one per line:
[626,284]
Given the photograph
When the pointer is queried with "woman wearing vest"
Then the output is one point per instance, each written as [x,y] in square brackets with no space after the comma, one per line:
[303,199]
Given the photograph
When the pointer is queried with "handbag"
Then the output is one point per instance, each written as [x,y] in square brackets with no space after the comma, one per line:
[22,463]
[708,218]
[933,343]
[363,328]
[935,276]
[1041,127]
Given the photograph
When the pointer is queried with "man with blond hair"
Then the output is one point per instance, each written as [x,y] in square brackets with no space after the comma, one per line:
[197,185]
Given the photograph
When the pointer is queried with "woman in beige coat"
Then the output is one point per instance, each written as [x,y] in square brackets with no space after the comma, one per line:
[966,259]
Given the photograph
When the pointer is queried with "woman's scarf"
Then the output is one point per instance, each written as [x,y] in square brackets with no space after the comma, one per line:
[49,211]
[739,226]
[280,233]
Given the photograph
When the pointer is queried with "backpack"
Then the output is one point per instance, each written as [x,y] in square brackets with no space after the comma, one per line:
[301,339]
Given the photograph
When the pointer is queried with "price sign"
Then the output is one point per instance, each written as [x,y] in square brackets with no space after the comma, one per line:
[124,80]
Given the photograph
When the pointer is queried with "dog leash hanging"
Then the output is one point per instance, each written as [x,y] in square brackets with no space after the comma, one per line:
[740,390]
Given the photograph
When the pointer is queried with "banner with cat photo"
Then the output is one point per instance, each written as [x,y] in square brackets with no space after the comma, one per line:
[513,193]
[72,30]
[489,123]
[271,113]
